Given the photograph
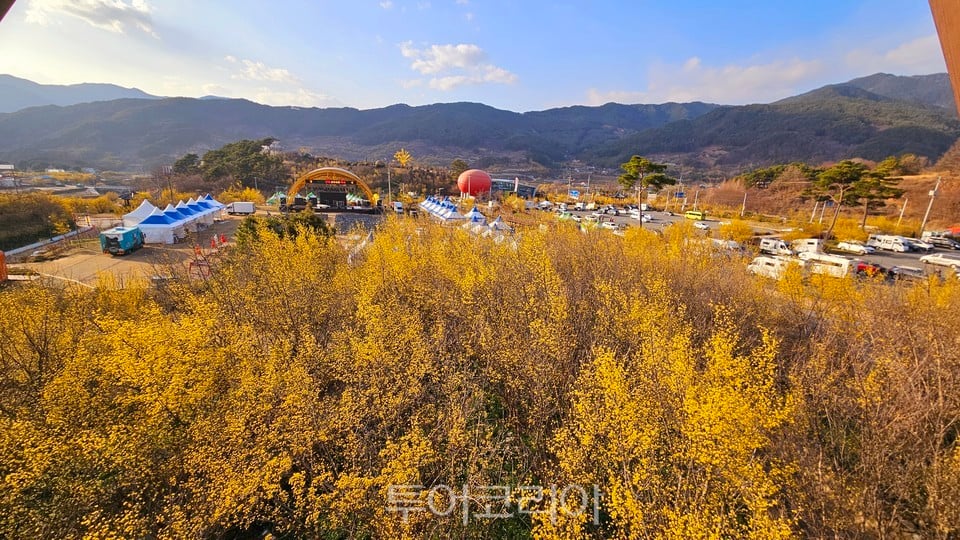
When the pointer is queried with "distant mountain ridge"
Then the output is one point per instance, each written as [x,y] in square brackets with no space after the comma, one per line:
[17,93]
[927,89]
[870,117]
[136,132]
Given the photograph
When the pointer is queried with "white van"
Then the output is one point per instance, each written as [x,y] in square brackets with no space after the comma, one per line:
[828,265]
[807,245]
[771,267]
[775,246]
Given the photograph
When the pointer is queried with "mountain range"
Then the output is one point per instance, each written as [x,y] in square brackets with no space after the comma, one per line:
[109,127]
[17,93]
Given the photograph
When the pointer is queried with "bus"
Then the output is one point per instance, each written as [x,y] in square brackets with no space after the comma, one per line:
[698,215]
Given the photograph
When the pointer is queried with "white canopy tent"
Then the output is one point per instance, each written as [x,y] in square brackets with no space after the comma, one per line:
[205,214]
[475,216]
[138,215]
[192,214]
[159,228]
[500,225]
[180,220]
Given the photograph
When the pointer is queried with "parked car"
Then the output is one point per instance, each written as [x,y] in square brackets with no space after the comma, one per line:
[942,259]
[942,242]
[908,273]
[853,246]
[701,225]
[866,269]
[919,245]
[609,225]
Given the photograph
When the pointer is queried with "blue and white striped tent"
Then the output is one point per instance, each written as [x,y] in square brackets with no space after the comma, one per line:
[475,216]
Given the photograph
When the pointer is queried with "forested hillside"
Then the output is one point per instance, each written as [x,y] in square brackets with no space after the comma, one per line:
[871,118]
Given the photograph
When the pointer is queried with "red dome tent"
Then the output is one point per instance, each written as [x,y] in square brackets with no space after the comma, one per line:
[474,182]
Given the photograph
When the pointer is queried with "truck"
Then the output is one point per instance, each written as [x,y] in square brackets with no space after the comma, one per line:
[398,207]
[121,240]
[243,208]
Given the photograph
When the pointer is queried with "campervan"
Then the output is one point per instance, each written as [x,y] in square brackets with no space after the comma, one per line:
[771,267]
[888,242]
[807,245]
[828,265]
[774,246]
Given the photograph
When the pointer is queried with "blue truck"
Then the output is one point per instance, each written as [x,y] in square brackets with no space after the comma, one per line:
[120,240]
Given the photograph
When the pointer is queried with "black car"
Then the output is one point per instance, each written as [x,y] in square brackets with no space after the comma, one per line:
[907,273]
[942,242]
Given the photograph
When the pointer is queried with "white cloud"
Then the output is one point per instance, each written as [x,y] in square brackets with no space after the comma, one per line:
[468,16]
[463,2]
[411,83]
[735,84]
[258,71]
[496,74]
[449,82]
[454,65]
[423,5]
[212,89]
[919,56]
[113,15]
[299,97]
[731,84]
[438,58]
[386,4]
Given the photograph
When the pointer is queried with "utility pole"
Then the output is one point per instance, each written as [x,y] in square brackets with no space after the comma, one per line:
[389,187]
[902,209]
[696,198]
[933,195]
[822,210]
[743,208]
[813,215]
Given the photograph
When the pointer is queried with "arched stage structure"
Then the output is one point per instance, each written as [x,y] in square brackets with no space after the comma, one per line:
[332,180]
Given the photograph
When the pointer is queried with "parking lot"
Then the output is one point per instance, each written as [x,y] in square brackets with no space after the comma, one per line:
[659,220]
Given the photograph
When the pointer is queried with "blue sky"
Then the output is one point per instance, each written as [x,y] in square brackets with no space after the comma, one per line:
[519,55]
